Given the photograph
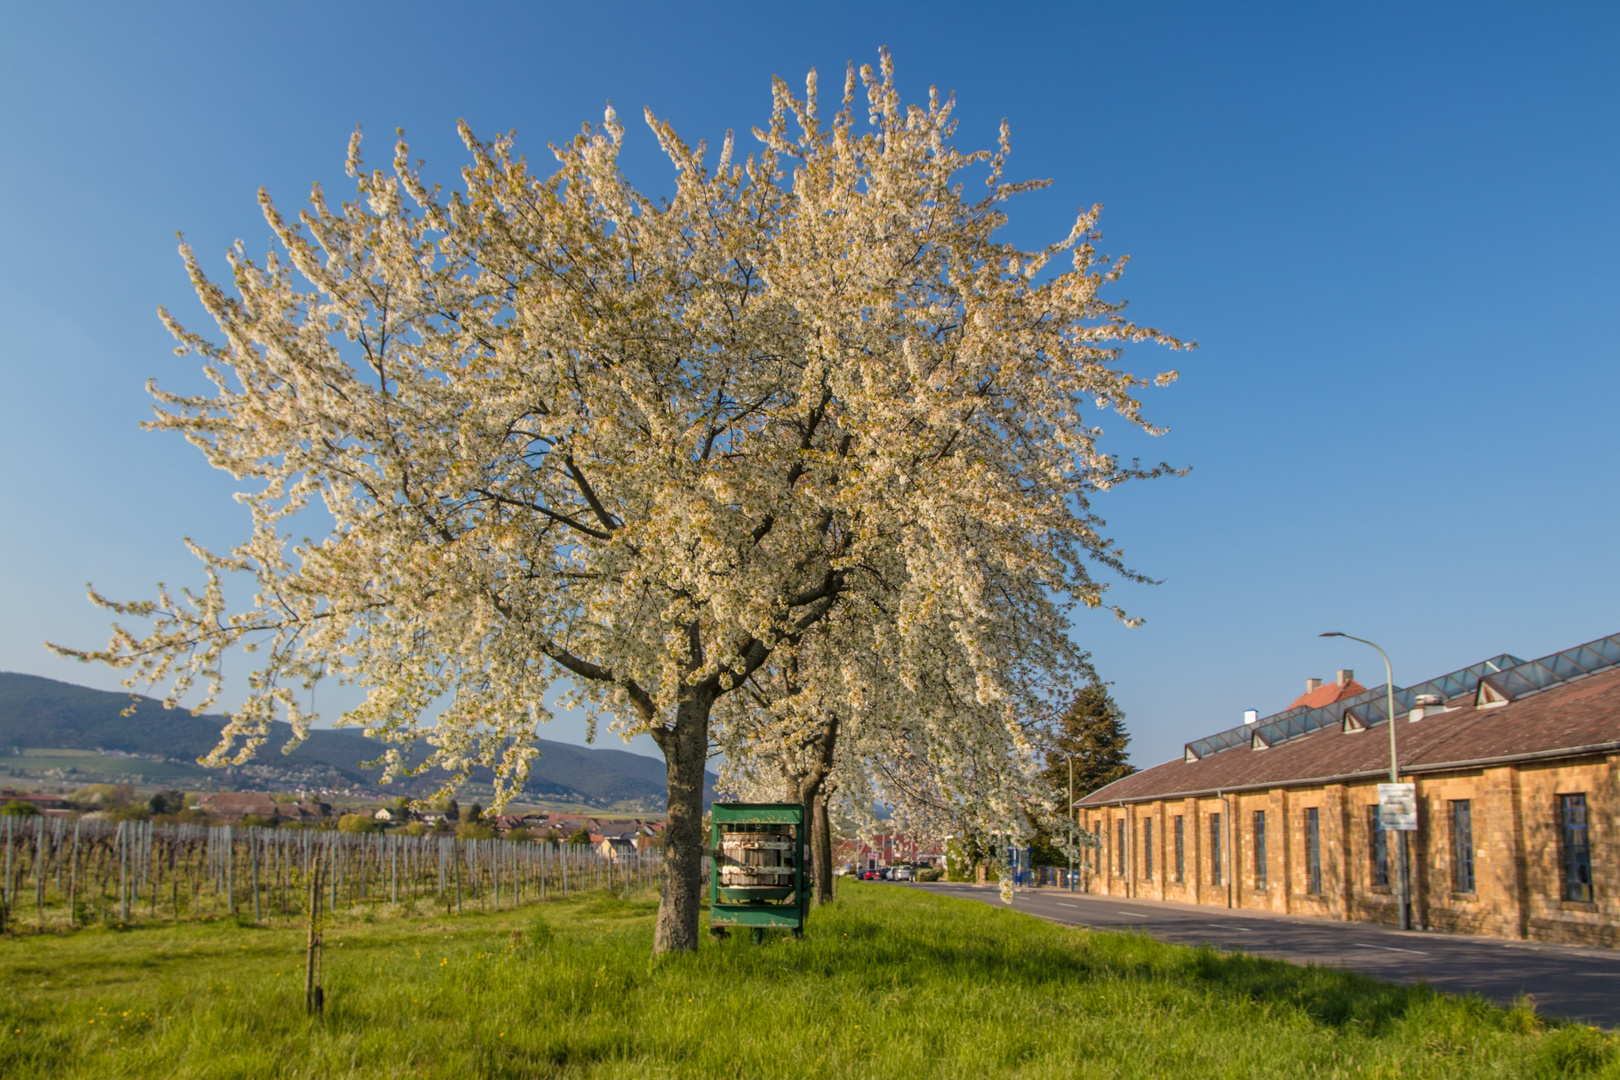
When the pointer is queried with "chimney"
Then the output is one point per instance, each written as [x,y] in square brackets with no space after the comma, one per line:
[1345,676]
[1312,685]
[1251,716]
[1424,705]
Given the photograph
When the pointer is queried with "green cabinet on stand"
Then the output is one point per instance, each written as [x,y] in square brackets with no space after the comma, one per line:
[757,872]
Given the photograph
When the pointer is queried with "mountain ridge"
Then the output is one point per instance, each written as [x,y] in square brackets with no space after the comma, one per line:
[42,713]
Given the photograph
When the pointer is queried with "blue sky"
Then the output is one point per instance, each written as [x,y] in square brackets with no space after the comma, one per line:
[1392,229]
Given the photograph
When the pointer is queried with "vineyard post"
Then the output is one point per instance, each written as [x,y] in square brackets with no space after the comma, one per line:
[253,857]
[314,996]
[6,898]
[230,871]
[123,872]
[154,868]
[39,873]
[73,877]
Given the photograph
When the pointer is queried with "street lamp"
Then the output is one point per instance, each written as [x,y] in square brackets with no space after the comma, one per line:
[1071,815]
[1394,767]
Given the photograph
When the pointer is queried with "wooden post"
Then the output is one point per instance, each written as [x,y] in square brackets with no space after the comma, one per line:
[39,873]
[123,872]
[253,856]
[73,877]
[230,871]
[314,996]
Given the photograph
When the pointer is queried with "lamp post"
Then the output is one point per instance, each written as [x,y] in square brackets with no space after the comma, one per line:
[1071,815]
[1394,769]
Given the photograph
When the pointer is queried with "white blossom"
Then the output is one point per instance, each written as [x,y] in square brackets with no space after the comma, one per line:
[564,430]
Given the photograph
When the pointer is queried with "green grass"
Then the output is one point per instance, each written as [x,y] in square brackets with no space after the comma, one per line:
[889,983]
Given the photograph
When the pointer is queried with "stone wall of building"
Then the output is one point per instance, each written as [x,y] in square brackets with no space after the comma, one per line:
[1517,848]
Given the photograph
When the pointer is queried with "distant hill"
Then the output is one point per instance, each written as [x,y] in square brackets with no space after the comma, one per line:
[38,713]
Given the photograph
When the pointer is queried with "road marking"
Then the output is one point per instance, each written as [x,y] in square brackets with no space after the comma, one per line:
[1132,914]
[1228,926]
[1389,948]
[1065,903]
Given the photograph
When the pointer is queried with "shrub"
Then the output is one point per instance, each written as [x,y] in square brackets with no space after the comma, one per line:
[415,828]
[930,873]
[167,802]
[357,823]
[469,830]
[20,808]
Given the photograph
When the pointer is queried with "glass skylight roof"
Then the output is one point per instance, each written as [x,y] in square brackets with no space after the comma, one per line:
[1525,679]
[1368,708]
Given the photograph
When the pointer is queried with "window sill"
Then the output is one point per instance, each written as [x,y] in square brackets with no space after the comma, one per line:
[1577,905]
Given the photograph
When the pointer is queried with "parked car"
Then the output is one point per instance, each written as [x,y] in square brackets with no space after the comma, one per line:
[901,873]
[871,875]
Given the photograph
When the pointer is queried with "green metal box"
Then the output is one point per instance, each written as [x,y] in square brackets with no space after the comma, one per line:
[757,867]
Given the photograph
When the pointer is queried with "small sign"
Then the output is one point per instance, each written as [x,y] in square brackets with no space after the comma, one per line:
[1397,807]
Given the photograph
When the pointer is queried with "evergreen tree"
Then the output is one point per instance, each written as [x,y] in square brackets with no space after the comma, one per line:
[452,811]
[1092,730]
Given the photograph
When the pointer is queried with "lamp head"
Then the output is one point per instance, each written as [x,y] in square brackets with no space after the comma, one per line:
[1331,633]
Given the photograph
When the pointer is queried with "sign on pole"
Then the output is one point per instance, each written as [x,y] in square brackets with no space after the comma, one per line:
[1397,807]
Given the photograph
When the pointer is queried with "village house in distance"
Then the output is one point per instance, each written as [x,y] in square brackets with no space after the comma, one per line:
[1515,765]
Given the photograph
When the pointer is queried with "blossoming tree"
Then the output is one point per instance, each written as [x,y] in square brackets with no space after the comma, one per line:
[562,430]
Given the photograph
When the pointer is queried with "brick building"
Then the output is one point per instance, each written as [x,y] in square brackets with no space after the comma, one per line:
[1515,763]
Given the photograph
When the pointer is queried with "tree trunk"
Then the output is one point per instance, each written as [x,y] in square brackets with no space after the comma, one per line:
[821,846]
[686,753]
[813,795]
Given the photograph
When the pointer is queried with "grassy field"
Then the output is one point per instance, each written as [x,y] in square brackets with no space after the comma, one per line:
[889,982]
[76,768]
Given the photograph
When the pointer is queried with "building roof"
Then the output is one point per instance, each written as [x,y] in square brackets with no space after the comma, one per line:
[1327,695]
[237,802]
[1574,710]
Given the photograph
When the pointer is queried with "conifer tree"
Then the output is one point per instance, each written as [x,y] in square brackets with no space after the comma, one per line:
[1092,729]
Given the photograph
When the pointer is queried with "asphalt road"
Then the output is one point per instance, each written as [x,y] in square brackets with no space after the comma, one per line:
[1579,984]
